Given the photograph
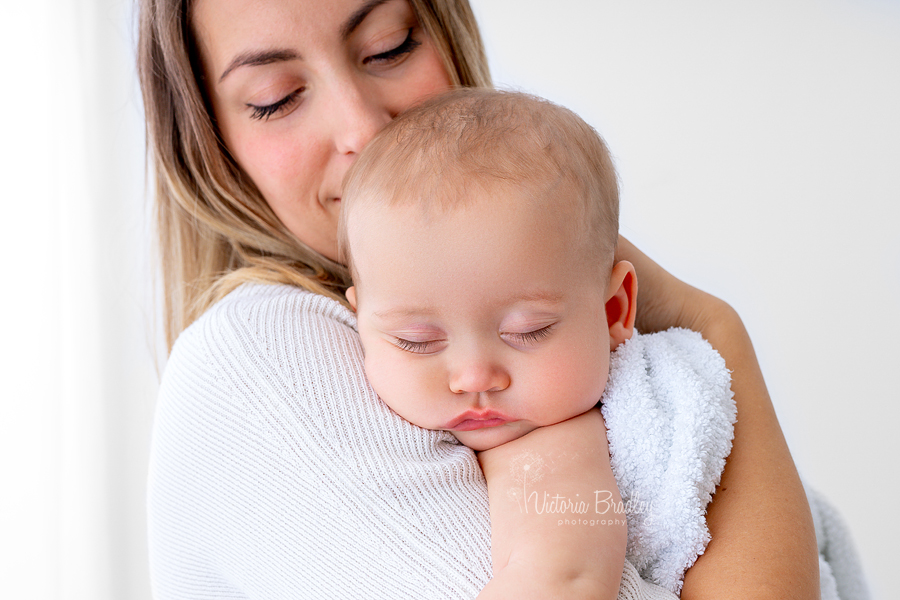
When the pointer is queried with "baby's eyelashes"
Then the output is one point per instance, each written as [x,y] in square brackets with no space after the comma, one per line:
[528,338]
[417,347]
[519,335]
[417,339]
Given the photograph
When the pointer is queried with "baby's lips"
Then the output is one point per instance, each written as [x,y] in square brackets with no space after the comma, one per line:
[476,415]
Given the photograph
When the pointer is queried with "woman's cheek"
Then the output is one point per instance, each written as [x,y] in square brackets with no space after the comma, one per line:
[280,168]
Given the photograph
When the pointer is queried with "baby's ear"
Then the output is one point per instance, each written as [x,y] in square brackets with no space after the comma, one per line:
[351,296]
[621,303]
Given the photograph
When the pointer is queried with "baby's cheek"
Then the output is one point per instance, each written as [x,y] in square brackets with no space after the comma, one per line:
[399,387]
[578,381]
[381,376]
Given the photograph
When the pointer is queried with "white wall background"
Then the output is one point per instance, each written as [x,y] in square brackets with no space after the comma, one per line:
[758,145]
[77,370]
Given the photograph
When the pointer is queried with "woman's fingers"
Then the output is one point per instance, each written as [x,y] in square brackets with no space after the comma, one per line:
[661,295]
[665,301]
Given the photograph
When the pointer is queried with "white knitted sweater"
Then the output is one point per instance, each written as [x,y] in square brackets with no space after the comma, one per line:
[277,473]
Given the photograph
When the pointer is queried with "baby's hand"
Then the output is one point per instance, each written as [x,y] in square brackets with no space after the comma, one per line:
[553,535]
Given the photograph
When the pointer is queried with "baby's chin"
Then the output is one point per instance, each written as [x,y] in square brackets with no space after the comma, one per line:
[487,438]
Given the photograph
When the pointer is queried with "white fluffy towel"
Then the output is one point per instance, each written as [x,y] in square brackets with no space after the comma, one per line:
[670,413]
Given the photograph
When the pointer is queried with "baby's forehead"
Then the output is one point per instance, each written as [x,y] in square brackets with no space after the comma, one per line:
[553,197]
[555,221]
[472,194]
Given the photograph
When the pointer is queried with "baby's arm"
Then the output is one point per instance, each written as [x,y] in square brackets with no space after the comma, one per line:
[554,533]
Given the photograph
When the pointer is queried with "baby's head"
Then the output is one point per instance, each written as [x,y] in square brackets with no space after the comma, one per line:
[480,230]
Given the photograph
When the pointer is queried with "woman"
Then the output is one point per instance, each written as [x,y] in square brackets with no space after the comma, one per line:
[274,466]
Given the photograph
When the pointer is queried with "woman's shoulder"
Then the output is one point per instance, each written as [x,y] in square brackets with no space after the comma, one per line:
[253,297]
[257,306]
[241,388]
[270,342]
[257,319]
[266,429]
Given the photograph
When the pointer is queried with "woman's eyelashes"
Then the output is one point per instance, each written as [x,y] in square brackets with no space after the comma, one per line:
[406,47]
[262,113]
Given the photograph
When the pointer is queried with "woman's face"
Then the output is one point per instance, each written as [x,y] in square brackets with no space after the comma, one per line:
[298,87]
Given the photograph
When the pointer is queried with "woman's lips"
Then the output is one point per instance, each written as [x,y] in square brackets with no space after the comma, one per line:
[472,419]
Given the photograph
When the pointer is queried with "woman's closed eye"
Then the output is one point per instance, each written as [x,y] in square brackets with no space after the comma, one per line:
[394,54]
[406,47]
[262,113]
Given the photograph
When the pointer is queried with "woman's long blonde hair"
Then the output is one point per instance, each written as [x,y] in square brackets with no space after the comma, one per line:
[215,229]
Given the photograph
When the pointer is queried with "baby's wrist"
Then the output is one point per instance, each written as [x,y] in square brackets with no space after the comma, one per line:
[543,581]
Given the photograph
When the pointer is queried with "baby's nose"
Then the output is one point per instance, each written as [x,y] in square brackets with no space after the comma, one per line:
[478,376]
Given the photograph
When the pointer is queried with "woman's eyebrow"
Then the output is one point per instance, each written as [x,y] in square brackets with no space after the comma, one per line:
[259,57]
[358,17]
[265,57]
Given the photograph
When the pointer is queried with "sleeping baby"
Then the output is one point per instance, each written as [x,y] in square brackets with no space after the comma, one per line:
[480,231]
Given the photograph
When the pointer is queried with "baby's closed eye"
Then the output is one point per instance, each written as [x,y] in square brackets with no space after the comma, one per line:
[417,347]
[529,338]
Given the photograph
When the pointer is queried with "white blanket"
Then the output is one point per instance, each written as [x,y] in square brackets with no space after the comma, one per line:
[670,416]
[670,413]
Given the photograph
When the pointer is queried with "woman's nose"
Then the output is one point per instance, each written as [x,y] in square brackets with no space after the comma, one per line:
[358,114]
[477,376]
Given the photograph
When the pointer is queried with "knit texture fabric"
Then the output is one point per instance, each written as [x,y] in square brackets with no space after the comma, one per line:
[277,473]
[841,575]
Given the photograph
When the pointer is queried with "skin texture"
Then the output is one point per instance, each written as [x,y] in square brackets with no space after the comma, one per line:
[487,308]
[763,540]
[532,554]
[337,92]
[298,157]
[482,314]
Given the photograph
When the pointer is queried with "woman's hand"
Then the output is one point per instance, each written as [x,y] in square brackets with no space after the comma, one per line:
[664,300]
[763,541]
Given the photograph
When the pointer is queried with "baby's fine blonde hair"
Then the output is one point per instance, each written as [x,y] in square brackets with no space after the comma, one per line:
[471,143]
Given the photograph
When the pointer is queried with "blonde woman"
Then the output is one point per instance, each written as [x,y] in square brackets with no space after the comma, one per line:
[276,472]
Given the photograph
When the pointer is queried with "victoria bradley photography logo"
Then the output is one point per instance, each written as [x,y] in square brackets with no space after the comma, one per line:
[599,509]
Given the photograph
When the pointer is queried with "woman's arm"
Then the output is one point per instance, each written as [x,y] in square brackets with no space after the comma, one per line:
[763,542]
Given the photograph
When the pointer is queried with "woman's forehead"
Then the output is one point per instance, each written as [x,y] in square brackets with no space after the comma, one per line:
[235,33]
